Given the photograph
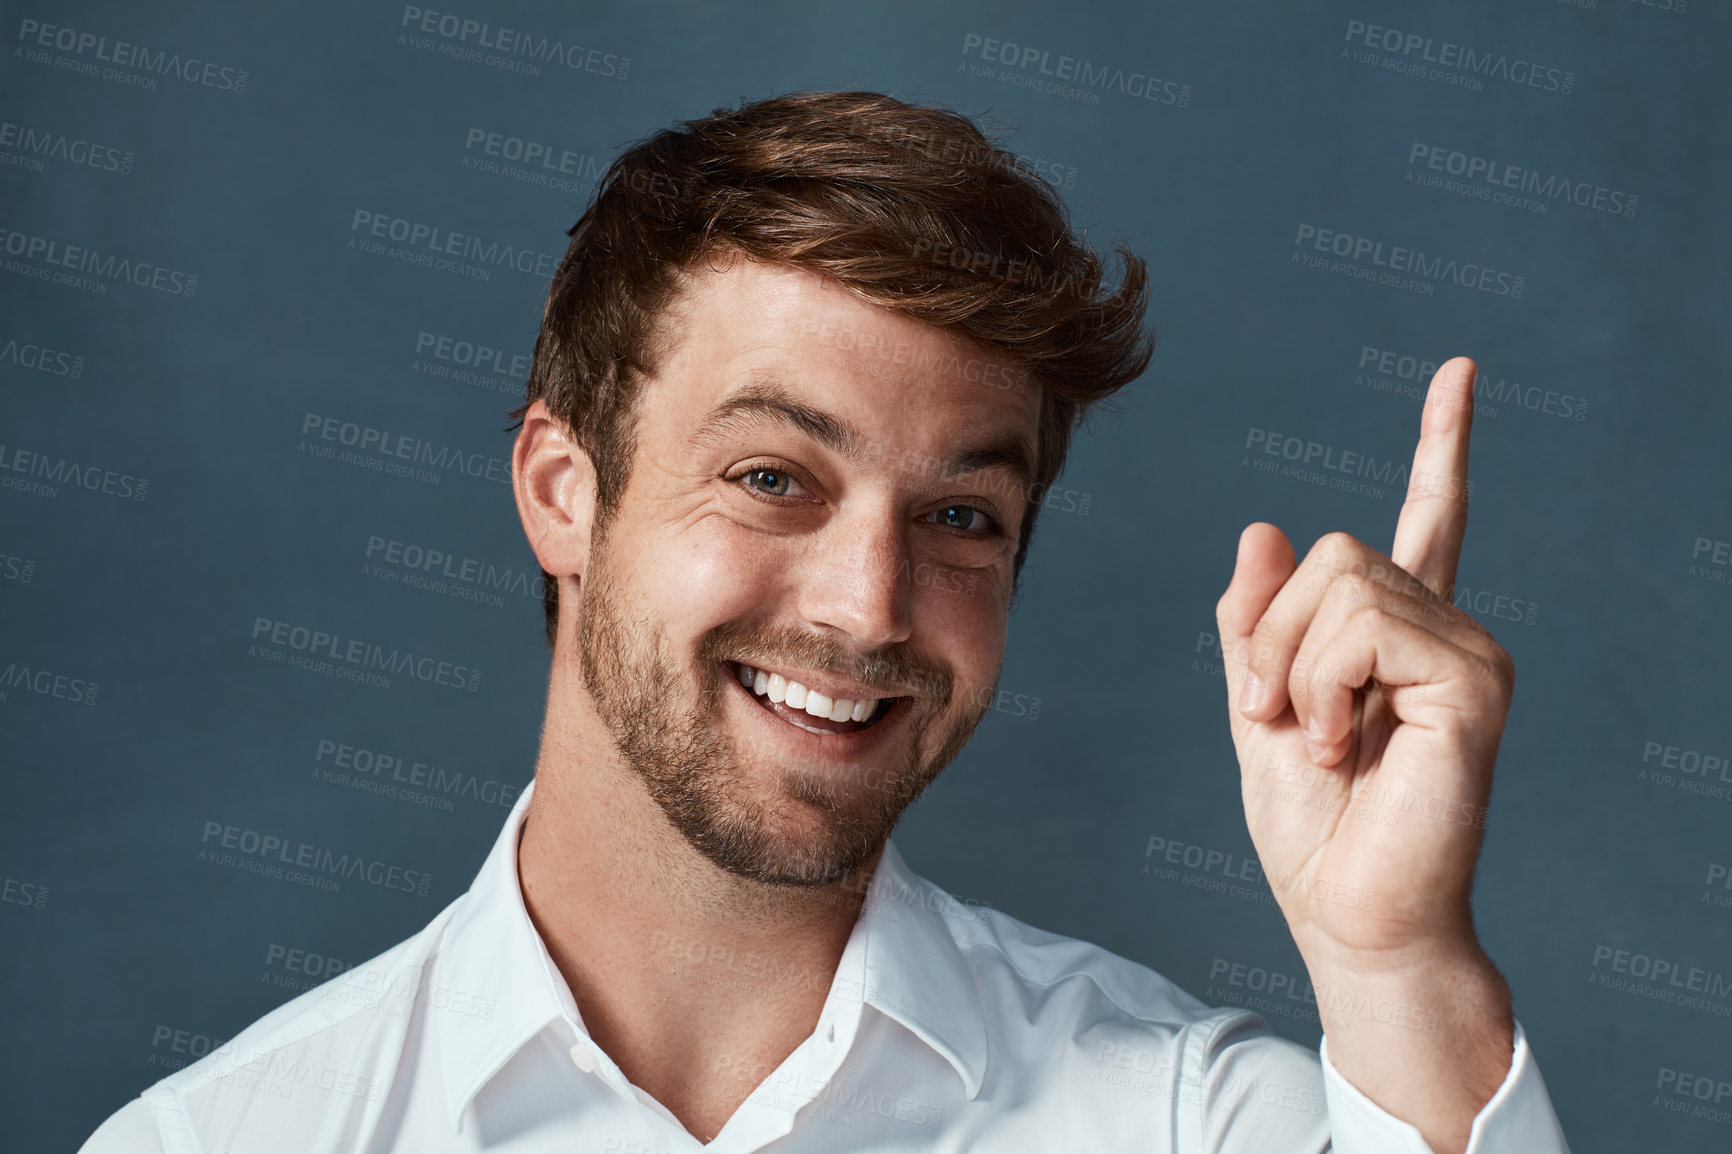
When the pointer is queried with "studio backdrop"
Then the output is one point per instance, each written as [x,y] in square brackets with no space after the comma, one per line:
[272,278]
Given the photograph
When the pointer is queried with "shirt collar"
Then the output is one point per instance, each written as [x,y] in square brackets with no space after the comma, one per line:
[915,971]
[492,958]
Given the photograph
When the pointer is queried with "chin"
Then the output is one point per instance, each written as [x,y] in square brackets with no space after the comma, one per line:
[790,840]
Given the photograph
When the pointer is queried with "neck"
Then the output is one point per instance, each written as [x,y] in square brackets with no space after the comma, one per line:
[696,982]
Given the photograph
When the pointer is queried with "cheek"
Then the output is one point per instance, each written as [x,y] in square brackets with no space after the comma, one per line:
[703,576]
[962,615]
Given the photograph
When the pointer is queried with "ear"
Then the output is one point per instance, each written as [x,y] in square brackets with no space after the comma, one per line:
[553,480]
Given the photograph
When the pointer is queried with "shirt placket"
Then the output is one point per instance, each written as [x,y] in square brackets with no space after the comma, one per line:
[771,1111]
[594,1065]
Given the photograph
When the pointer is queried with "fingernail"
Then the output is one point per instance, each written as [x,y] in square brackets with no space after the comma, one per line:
[1316,751]
[1252,694]
[1314,730]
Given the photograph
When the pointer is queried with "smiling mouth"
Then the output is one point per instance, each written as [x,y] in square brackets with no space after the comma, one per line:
[807,709]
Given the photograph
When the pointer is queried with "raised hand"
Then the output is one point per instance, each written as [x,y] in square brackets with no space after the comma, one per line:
[1366,711]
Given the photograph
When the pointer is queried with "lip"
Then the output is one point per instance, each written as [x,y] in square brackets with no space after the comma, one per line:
[807,743]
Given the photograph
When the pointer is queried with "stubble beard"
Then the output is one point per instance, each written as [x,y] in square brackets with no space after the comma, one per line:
[754,821]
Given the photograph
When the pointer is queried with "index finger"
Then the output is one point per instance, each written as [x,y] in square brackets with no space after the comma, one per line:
[1434,517]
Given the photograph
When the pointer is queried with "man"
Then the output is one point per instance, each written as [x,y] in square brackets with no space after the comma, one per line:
[804,376]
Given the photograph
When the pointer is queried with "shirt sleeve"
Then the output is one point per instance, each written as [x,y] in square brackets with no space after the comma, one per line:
[131,1129]
[1517,1120]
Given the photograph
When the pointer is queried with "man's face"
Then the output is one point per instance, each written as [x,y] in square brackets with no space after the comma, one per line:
[824,502]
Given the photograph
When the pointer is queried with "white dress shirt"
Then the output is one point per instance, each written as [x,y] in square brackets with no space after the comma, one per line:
[947,1027]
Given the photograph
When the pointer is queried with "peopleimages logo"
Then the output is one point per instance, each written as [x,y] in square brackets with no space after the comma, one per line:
[1361,256]
[56,471]
[510,45]
[431,241]
[1489,390]
[272,852]
[389,448]
[21,893]
[472,355]
[35,35]
[286,637]
[1668,979]
[35,144]
[46,683]
[1484,178]
[41,358]
[53,254]
[471,363]
[359,764]
[438,563]
[1071,77]
[1415,51]
[534,154]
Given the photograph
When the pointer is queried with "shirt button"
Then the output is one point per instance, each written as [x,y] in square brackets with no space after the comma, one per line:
[584,1057]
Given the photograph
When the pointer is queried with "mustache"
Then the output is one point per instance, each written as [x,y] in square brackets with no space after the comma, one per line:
[892,671]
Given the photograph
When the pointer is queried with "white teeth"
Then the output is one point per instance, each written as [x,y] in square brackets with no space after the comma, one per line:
[780,690]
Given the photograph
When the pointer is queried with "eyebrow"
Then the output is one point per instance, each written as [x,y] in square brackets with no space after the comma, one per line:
[768,401]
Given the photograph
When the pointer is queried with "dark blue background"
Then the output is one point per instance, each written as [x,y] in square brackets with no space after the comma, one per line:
[114,931]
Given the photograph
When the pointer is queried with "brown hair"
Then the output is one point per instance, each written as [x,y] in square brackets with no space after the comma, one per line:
[910,207]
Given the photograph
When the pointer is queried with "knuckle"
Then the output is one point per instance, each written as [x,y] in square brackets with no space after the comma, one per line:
[1338,545]
[1340,554]
[1323,559]
[1503,665]
[1479,637]
[1352,588]
[1494,678]
[1337,539]
[1370,615]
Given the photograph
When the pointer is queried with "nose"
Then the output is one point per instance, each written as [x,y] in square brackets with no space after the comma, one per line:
[858,579]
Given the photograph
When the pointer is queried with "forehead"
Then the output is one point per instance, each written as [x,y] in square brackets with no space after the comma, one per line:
[738,325]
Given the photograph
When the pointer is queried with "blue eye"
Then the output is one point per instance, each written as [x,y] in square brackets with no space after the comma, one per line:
[962,517]
[773,482]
